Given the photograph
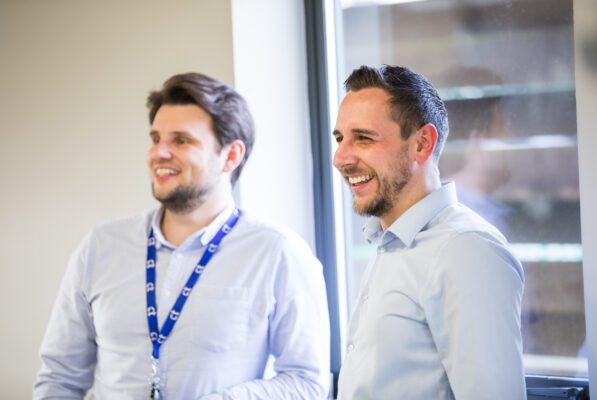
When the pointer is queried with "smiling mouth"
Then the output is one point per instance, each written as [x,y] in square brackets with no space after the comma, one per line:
[358,179]
[161,172]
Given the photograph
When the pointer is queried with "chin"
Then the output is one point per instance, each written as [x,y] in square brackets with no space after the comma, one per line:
[161,192]
[363,202]
[362,208]
[162,196]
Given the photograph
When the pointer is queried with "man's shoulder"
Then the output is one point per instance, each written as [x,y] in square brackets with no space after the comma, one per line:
[281,246]
[256,226]
[457,220]
[467,236]
[262,230]
[130,225]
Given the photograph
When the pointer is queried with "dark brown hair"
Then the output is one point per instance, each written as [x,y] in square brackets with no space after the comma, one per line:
[414,101]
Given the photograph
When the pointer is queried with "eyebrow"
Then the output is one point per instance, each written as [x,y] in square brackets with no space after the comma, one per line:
[359,131]
[176,133]
[365,131]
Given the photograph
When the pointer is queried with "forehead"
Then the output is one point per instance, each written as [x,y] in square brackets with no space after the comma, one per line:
[365,108]
[369,97]
[177,117]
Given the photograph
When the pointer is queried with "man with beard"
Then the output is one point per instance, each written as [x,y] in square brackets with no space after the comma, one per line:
[438,313]
[250,291]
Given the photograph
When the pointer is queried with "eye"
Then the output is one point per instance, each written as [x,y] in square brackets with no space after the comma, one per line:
[180,140]
[155,139]
[337,138]
[362,138]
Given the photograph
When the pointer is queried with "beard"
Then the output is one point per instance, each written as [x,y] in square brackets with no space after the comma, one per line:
[183,199]
[388,190]
[386,196]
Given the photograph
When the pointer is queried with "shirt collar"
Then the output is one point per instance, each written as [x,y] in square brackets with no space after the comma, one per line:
[409,224]
[204,234]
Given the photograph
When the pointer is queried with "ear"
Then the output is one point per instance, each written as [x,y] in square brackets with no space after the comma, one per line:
[235,152]
[426,138]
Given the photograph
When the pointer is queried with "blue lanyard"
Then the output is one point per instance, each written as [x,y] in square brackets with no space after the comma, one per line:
[158,337]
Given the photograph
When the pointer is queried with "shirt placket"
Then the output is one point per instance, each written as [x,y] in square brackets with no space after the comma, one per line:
[362,314]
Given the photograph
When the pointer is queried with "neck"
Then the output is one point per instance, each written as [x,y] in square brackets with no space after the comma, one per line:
[177,227]
[421,184]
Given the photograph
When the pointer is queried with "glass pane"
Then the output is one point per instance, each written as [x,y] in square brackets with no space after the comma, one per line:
[506,72]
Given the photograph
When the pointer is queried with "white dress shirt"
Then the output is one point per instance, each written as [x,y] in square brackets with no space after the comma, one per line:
[262,294]
[438,314]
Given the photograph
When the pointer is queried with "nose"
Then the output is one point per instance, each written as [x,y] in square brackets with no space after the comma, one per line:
[160,151]
[344,155]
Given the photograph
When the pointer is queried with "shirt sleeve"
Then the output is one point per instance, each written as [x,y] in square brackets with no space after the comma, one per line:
[68,350]
[472,304]
[299,332]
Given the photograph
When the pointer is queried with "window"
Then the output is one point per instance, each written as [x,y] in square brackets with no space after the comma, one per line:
[505,69]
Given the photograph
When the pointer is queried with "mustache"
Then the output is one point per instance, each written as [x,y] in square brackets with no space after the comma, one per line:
[351,170]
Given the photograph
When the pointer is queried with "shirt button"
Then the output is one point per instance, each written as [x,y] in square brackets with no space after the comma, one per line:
[350,347]
[365,298]
[382,250]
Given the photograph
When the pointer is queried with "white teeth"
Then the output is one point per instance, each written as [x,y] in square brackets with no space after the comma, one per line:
[165,171]
[353,180]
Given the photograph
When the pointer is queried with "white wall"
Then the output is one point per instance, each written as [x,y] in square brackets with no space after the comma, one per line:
[74,76]
[270,69]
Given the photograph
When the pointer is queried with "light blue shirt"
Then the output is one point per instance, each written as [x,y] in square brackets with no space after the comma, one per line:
[261,295]
[438,313]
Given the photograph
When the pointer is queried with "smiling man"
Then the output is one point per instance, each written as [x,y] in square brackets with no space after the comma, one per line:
[191,300]
[438,313]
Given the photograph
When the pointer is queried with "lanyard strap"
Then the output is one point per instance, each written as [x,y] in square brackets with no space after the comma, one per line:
[158,337]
